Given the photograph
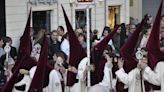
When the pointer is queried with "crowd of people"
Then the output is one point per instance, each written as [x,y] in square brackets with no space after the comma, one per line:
[113,70]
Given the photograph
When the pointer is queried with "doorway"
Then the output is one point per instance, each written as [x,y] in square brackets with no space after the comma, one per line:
[113,16]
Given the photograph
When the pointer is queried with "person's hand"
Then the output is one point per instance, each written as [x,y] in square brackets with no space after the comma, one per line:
[23,71]
[15,57]
[90,67]
[142,65]
[114,59]
[108,58]
[162,48]
[120,63]
[54,57]
[72,69]
[7,73]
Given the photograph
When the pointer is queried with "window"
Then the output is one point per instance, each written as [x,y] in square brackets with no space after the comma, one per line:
[42,19]
[81,18]
[131,2]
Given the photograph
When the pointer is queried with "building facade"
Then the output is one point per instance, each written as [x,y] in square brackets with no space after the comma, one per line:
[48,14]
[151,7]
[138,8]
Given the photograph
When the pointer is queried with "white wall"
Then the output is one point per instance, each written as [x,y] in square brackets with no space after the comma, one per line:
[17,13]
[97,13]
[136,10]
[151,7]
[142,7]
[16,17]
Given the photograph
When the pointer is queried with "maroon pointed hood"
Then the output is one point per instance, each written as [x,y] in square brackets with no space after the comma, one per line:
[38,79]
[77,53]
[16,77]
[23,54]
[153,47]
[153,44]
[25,46]
[97,60]
[127,52]
[25,40]
[98,49]
[128,49]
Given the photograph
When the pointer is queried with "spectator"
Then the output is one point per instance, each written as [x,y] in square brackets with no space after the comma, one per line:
[54,43]
[38,38]
[65,47]
[61,33]
[162,39]
[123,36]
[150,20]
[145,38]
[162,21]
[116,40]
[95,35]
[13,51]
[132,29]
[127,29]
[2,52]
[82,40]
[105,32]
[78,31]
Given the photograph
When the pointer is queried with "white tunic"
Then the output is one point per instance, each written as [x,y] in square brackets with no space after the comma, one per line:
[25,81]
[54,82]
[80,86]
[155,77]
[108,80]
[107,83]
[132,80]
[53,86]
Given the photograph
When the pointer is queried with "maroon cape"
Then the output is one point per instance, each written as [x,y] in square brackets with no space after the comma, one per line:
[128,53]
[153,44]
[23,54]
[153,47]
[77,53]
[97,58]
